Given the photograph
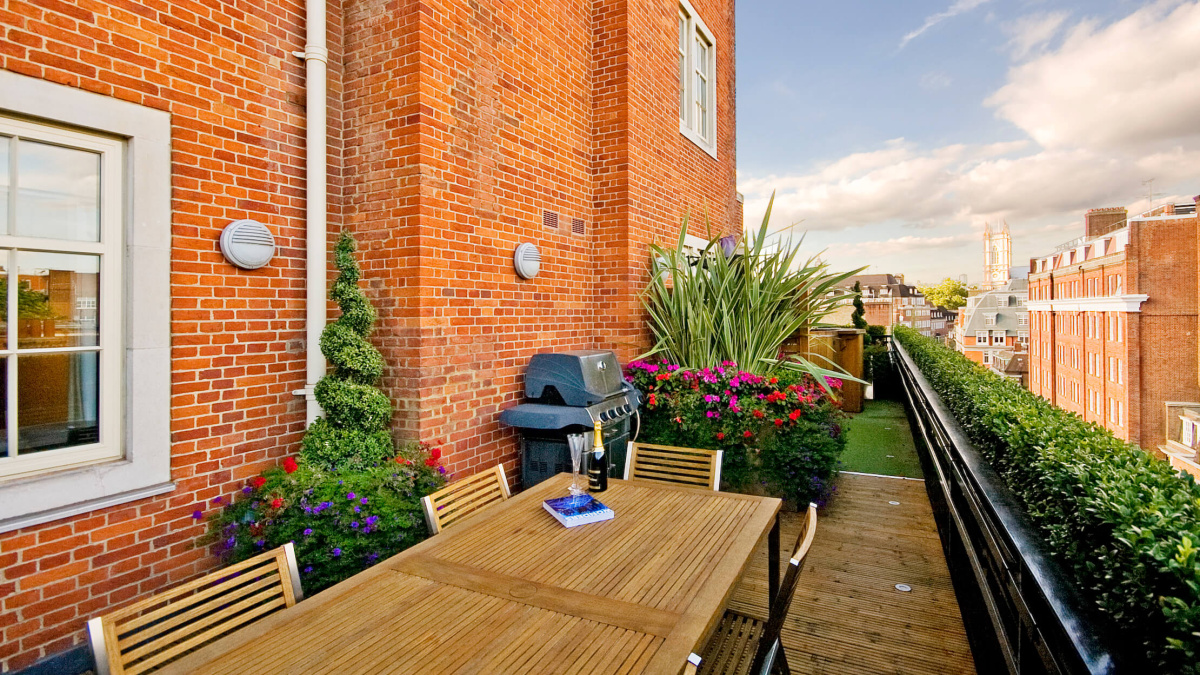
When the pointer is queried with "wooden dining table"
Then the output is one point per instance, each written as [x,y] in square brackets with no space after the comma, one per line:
[510,590]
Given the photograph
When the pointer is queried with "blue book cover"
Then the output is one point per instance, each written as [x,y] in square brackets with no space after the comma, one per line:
[572,510]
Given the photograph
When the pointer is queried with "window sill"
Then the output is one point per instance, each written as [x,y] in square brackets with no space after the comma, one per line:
[40,499]
[688,133]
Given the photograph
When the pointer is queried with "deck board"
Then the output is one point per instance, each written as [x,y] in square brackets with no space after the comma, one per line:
[847,615]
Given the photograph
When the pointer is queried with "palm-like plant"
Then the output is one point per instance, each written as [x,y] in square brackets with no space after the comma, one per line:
[739,307]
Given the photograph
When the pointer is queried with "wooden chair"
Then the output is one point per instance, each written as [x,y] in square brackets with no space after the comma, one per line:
[744,644]
[150,634]
[462,498]
[676,466]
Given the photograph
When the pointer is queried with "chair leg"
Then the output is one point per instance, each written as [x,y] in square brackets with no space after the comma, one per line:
[781,664]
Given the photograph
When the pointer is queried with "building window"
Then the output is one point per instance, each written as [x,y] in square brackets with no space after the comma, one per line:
[998,337]
[697,61]
[989,320]
[60,270]
[85,241]
[981,337]
[987,358]
[1023,320]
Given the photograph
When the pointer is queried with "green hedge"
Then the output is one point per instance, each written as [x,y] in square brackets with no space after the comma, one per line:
[1122,522]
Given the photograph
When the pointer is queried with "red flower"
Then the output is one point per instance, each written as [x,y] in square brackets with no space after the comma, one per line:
[774,380]
[653,399]
[431,462]
[758,413]
[435,454]
[404,461]
[276,503]
[289,465]
[720,435]
[794,415]
[662,376]
[778,422]
[258,481]
[747,433]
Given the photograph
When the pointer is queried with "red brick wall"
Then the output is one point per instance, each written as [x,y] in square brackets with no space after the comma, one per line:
[452,127]
[225,73]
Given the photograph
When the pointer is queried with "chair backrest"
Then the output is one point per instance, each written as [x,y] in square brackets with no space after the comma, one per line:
[464,497]
[676,466]
[769,642]
[150,634]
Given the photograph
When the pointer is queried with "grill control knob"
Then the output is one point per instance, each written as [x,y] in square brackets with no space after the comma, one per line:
[604,416]
[628,409]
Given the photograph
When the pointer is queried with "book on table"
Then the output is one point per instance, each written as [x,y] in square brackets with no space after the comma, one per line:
[577,510]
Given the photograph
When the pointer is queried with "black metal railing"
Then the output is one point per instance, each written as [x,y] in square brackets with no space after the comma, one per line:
[1022,612]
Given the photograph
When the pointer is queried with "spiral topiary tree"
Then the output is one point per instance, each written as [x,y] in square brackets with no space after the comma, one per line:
[354,432]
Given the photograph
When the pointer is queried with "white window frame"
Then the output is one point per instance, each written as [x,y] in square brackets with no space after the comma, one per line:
[689,123]
[110,152]
[981,337]
[143,468]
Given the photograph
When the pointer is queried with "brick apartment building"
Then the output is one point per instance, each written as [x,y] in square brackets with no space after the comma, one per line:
[452,132]
[887,300]
[1113,320]
[993,324]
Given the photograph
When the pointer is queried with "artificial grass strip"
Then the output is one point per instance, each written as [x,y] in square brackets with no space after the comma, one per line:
[881,429]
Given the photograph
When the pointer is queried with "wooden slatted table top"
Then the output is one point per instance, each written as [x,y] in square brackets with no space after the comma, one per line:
[510,590]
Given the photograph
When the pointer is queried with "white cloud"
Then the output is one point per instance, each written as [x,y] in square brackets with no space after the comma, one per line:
[935,80]
[1030,33]
[932,20]
[1133,82]
[1108,108]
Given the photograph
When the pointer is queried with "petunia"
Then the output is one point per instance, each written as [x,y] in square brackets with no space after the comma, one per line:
[197,514]
[363,500]
[217,499]
[350,496]
[307,531]
[337,552]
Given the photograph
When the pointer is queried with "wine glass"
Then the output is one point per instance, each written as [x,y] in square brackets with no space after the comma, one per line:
[577,442]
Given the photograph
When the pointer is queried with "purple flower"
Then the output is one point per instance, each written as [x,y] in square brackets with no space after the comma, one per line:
[713,415]
[308,570]
[373,557]
[733,402]
[307,531]
[217,499]
[247,490]
[337,552]
[230,542]
[260,543]
[371,520]
[350,496]
[363,500]
[442,470]
[356,509]
[711,398]
[728,246]
[197,514]
[735,382]
[354,524]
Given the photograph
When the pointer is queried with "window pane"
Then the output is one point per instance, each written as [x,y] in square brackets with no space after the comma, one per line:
[3,300]
[58,296]
[57,401]
[3,407]
[682,67]
[58,193]
[5,182]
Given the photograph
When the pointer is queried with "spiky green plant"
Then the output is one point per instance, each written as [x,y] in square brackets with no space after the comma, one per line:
[740,305]
[354,432]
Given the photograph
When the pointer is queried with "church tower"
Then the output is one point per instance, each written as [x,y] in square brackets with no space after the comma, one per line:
[997,256]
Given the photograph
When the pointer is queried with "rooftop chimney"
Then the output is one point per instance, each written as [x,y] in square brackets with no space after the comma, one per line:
[1097,222]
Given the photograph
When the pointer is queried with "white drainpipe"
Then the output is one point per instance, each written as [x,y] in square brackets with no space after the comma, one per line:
[316,59]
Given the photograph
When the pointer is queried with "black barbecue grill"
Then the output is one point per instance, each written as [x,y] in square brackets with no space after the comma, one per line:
[568,393]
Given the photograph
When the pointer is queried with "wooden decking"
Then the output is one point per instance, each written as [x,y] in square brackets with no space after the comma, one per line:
[847,616]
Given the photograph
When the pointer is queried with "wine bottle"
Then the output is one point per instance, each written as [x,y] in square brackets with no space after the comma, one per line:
[598,463]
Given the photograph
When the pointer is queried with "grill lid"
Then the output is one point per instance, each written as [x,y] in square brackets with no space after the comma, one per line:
[578,378]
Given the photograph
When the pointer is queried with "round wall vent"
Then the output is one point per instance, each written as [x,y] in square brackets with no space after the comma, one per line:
[247,244]
[527,260]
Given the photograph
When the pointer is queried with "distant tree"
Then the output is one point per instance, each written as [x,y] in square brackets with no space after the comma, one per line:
[31,304]
[950,293]
[858,317]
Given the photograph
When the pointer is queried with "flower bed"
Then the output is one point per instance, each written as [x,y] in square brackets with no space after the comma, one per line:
[340,523]
[1121,522]
[781,435]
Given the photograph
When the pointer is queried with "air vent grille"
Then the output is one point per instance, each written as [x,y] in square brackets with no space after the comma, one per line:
[577,226]
[550,220]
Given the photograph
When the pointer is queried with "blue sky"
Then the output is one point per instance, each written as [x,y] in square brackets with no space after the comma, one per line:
[892,131]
